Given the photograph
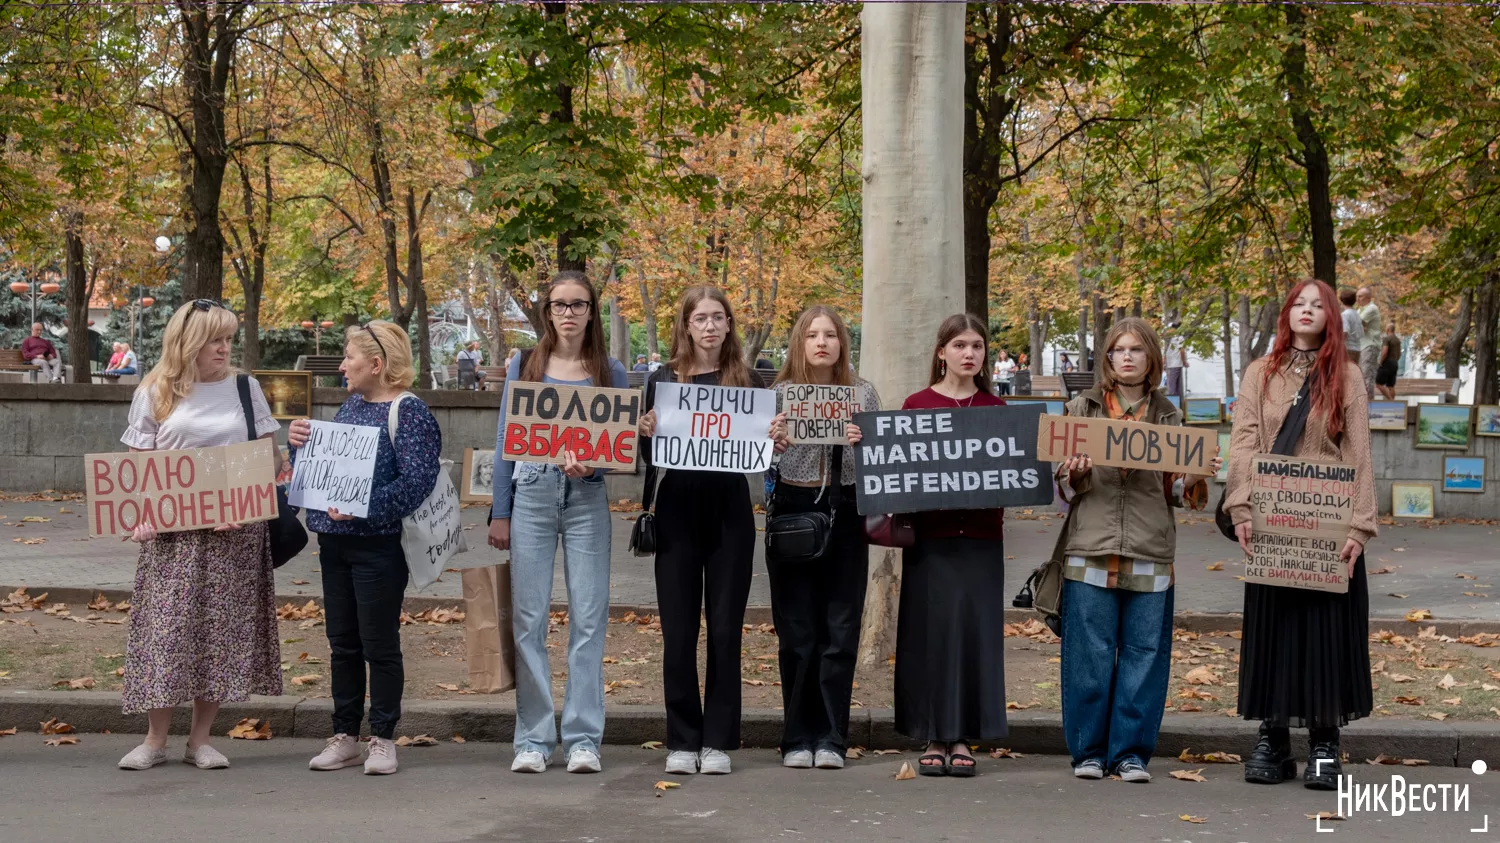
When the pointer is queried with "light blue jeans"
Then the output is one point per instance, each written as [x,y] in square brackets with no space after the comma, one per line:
[548,505]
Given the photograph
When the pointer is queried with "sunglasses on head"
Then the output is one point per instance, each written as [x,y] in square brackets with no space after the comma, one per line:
[378,343]
[204,305]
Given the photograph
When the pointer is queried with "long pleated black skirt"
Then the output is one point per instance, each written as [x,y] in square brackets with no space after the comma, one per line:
[1305,655]
[950,641]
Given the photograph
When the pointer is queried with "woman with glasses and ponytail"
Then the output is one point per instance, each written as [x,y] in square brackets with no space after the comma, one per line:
[363,566]
[535,505]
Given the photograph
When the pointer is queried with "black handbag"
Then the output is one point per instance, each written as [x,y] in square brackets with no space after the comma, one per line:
[643,534]
[1286,442]
[287,534]
[804,536]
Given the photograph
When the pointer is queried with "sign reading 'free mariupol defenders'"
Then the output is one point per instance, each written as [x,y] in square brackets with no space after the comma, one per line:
[713,428]
[970,458]
[1300,514]
[545,421]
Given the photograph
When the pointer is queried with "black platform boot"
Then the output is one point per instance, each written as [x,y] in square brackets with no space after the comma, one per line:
[1271,761]
[1324,761]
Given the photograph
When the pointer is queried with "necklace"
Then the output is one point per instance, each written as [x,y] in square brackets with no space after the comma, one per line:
[1302,360]
[958,403]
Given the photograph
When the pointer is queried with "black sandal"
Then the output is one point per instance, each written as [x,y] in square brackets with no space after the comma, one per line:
[962,771]
[938,769]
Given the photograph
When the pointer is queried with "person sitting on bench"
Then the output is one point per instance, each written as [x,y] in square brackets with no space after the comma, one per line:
[41,353]
[127,363]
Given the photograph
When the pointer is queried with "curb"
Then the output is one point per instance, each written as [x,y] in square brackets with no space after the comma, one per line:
[1040,733]
[1200,622]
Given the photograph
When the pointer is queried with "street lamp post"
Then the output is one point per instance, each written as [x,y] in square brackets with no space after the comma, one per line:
[317,328]
[36,289]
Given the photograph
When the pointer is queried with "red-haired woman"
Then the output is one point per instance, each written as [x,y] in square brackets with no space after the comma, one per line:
[1305,659]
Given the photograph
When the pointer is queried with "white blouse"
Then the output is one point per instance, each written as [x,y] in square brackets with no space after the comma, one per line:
[209,416]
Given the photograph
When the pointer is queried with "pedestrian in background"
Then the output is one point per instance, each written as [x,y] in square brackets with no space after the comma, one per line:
[1371,341]
[41,353]
[1304,657]
[1390,357]
[363,565]
[203,612]
[534,505]
[126,365]
[1005,372]
[1354,332]
[1175,359]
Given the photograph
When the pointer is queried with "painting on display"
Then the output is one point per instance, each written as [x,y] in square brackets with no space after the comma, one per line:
[1412,500]
[1387,415]
[1202,411]
[1487,420]
[1443,426]
[1463,474]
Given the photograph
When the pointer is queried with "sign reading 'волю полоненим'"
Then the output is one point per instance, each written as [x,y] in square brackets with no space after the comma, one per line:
[1300,512]
[970,458]
[174,491]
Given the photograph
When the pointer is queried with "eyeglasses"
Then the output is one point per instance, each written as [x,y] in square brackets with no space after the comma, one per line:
[378,343]
[702,319]
[574,308]
[1127,353]
[204,305]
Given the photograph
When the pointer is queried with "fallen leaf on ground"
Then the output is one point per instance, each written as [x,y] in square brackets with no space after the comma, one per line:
[1419,615]
[1325,815]
[29,541]
[1386,570]
[251,729]
[1187,757]
[7,732]
[62,740]
[1189,818]
[56,727]
[1398,596]
[1453,701]
[1202,675]
[35,519]
[1437,715]
[666,785]
[419,740]
[459,739]
[1447,682]
[292,612]
[307,679]
[82,684]
[906,773]
[651,745]
[1382,758]
[854,752]
[100,603]
[1217,566]
[1188,775]
[447,686]
[1002,752]
[299,582]
[1410,700]
[1401,677]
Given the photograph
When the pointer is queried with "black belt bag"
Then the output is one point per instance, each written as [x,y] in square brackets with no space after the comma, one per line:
[804,536]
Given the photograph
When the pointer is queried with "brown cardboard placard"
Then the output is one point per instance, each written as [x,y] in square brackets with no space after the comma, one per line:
[816,413]
[192,489]
[1300,514]
[1127,444]
[545,420]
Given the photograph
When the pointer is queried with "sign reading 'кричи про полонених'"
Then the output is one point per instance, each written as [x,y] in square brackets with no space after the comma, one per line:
[1300,514]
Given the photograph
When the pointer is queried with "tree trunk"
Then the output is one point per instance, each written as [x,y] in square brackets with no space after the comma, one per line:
[1037,324]
[78,286]
[1101,328]
[1486,325]
[209,41]
[912,76]
[619,333]
[1228,337]
[1314,158]
[649,295]
[416,292]
[1453,348]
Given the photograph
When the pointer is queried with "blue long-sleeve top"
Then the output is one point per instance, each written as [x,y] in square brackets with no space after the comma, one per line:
[505,469]
[404,474]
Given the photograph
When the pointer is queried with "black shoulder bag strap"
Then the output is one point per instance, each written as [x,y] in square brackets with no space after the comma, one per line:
[1286,442]
[836,480]
[648,495]
[242,383]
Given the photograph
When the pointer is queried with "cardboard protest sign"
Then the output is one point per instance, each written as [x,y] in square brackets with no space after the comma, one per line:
[815,414]
[1300,514]
[335,469]
[192,489]
[1127,444]
[543,421]
[972,458]
[713,428]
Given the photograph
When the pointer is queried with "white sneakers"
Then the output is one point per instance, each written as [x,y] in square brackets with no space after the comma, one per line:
[380,760]
[798,759]
[583,760]
[830,760]
[682,761]
[341,751]
[206,758]
[713,762]
[529,761]
[143,758]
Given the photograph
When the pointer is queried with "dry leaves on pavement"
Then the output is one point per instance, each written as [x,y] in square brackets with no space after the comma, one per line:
[1416,615]
[1325,815]
[56,727]
[419,740]
[306,612]
[21,601]
[1396,760]
[1202,675]
[82,684]
[651,745]
[906,773]
[1187,757]
[434,616]
[5,733]
[664,786]
[62,740]
[251,729]
[1002,752]
[1188,775]
[306,679]
[1189,818]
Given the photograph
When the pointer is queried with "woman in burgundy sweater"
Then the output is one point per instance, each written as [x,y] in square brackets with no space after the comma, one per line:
[950,635]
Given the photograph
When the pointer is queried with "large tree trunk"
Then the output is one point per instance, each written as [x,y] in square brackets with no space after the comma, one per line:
[619,333]
[1228,338]
[209,40]
[1314,158]
[912,81]
[1453,347]
[78,286]
[1037,324]
[1486,325]
[416,291]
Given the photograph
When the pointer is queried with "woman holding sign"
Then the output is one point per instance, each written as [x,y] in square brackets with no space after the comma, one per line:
[1305,658]
[203,616]
[705,547]
[535,504]
[364,568]
[1116,549]
[818,602]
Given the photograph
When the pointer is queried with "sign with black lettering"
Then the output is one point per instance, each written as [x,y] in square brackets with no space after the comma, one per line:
[1127,444]
[1300,513]
[335,469]
[970,458]
[173,491]
[544,421]
[816,414]
[713,428]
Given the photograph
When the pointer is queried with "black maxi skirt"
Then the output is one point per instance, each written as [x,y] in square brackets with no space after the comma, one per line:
[1305,655]
[950,641]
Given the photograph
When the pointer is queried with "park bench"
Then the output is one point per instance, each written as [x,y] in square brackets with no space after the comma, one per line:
[320,365]
[12,363]
[1047,385]
[1438,387]
[1076,382]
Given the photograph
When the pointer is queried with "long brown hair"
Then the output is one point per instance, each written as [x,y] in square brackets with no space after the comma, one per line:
[595,355]
[1141,330]
[1328,397]
[732,368]
[797,369]
[954,325]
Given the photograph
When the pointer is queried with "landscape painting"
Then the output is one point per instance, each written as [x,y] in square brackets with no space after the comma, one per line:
[1463,474]
[1387,415]
[1411,500]
[1443,425]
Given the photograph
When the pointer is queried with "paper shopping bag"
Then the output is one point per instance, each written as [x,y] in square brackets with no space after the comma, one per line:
[487,631]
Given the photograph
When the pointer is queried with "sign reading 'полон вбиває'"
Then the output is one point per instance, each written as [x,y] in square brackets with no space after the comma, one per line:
[970,458]
[1300,514]
[544,421]
[713,428]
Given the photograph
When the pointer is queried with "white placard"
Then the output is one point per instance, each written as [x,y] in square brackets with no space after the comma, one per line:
[713,428]
[336,468]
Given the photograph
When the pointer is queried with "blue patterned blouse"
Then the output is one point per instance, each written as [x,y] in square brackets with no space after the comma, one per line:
[404,475]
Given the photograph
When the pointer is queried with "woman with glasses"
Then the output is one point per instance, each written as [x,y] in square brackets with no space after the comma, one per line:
[535,504]
[203,622]
[705,546]
[1116,548]
[363,566]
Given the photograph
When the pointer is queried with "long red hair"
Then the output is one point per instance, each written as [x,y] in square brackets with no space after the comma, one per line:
[1328,366]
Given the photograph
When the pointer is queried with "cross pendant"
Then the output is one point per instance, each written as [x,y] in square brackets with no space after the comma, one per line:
[1296,399]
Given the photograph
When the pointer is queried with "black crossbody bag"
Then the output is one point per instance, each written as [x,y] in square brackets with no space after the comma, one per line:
[643,534]
[1286,442]
[287,535]
[804,536]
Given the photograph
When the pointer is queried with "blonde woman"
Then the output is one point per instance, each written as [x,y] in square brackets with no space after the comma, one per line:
[361,560]
[203,626]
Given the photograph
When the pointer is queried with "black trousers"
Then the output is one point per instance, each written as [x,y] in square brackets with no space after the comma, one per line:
[364,581]
[818,606]
[705,549]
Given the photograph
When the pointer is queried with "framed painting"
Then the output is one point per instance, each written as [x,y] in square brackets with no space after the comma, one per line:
[1443,426]
[289,393]
[1387,415]
[1229,403]
[1463,474]
[1223,475]
[1412,500]
[1054,405]
[1175,401]
[1487,420]
[1202,411]
[479,476]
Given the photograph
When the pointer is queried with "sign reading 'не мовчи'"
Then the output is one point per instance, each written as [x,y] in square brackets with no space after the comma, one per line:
[1300,514]
[174,491]
[816,413]
[543,421]
[1127,444]
[336,468]
[970,458]
[713,428]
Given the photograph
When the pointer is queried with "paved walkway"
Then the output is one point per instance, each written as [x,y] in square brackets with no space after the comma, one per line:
[1427,562]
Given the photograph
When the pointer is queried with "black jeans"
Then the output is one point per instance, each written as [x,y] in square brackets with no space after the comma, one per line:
[364,581]
[818,606]
[705,550]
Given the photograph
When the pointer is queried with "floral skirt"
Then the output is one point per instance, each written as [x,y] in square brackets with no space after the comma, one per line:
[202,620]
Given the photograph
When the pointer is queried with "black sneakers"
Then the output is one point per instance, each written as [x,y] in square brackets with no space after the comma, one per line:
[1271,761]
[1323,766]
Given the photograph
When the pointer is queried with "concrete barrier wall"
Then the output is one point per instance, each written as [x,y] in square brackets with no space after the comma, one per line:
[45,429]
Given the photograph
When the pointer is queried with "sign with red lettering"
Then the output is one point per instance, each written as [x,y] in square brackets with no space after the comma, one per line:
[1300,514]
[815,414]
[713,428]
[1127,444]
[543,421]
[175,491]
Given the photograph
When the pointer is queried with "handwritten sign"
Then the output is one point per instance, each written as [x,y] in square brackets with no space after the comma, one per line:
[1300,514]
[175,491]
[545,421]
[335,469]
[816,414]
[713,428]
[1127,444]
[924,460]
